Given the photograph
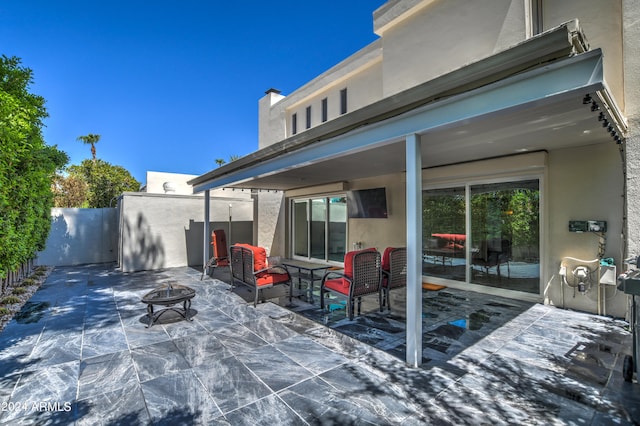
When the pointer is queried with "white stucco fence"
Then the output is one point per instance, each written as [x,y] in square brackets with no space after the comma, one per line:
[146,231]
[81,236]
[164,231]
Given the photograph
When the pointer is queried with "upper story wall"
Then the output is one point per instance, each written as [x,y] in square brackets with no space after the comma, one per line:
[360,75]
[428,38]
[423,39]
[601,22]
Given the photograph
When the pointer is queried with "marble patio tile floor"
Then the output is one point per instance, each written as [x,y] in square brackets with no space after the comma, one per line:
[80,353]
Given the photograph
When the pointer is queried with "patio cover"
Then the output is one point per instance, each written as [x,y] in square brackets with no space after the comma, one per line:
[508,103]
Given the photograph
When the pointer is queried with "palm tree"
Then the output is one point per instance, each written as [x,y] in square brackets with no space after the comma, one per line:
[92,140]
[220,161]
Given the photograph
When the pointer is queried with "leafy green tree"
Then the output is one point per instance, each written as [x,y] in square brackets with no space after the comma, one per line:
[105,182]
[70,191]
[92,140]
[27,168]
[220,161]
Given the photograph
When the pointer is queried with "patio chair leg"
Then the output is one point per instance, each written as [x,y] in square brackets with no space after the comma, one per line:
[255,302]
[359,304]
[209,264]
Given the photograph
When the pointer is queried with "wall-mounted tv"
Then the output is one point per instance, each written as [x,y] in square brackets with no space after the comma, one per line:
[367,203]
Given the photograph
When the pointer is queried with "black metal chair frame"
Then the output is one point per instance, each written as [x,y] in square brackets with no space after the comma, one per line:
[366,280]
[396,275]
[241,266]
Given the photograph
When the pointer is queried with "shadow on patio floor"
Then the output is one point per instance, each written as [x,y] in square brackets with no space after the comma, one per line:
[87,358]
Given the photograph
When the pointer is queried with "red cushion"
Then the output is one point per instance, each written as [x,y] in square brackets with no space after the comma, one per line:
[456,238]
[340,285]
[269,279]
[386,261]
[348,261]
[259,256]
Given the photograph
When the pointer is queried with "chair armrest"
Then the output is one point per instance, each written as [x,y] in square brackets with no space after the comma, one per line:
[333,274]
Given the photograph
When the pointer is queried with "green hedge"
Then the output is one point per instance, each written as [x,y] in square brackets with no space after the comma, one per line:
[27,167]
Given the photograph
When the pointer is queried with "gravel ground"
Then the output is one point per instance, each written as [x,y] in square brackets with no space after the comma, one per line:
[38,278]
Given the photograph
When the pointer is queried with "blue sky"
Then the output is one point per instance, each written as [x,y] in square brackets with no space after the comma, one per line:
[173,85]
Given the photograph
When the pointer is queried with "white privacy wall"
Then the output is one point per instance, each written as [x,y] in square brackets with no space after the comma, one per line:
[81,236]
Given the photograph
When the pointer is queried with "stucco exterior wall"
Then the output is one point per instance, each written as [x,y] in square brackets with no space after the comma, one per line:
[445,35]
[269,226]
[631,35]
[81,236]
[271,120]
[176,181]
[584,184]
[600,21]
[361,74]
[363,88]
[381,233]
[161,231]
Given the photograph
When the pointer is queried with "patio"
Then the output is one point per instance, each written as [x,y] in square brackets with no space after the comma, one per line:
[79,353]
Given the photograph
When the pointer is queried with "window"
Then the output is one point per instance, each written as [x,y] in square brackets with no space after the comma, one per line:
[343,101]
[319,228]
[325,110]
[501,248]
[535,23]
[308,117]
[294,124]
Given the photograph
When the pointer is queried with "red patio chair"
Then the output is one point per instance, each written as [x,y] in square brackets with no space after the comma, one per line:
[361,277]
[394,272]
[249,267]
[220,254]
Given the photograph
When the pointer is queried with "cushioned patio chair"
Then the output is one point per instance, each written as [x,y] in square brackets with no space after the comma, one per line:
[249,267]
[220,253]
[394,272]
[361,277]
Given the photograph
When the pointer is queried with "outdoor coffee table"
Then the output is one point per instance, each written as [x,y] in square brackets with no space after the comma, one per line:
[169,295]
[307,271]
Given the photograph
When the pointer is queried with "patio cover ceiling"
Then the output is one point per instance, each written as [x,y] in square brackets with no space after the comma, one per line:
[527,98]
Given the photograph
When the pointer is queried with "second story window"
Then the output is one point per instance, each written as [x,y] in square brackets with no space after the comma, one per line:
[325,114]
[294,124]
[308,117]
[343,101]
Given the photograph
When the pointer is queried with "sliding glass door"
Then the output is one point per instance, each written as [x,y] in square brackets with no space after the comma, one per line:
[319,228]
[300,228]
[484,233]
[444,233]
[505,235]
